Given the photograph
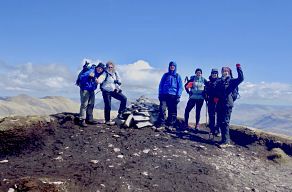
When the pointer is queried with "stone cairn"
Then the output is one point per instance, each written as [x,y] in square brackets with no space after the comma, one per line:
[139,114]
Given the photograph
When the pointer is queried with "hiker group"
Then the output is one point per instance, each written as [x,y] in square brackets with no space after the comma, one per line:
[219,93]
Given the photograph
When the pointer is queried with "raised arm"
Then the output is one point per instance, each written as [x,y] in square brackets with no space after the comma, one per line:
[236,81]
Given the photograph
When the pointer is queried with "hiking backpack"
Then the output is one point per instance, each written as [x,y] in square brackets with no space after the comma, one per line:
[235,93]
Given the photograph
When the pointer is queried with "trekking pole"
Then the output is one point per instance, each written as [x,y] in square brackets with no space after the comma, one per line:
[207,114]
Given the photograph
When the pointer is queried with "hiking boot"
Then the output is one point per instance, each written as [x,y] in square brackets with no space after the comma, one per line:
[161,128]
[211,136]
[171,128]
[197,127]
[159,124]
[185,126]
[225,145]
[217,133]
[91,122]
[110,123]
[82,123]
[120,116]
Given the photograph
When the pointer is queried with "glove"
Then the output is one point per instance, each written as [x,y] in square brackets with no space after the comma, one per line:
[117,82]
[118,90]
[216,99]
[237,65]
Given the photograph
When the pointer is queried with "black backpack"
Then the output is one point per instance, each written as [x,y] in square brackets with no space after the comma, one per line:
[235,93]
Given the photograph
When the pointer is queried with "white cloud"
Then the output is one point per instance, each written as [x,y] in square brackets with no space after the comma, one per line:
[138,78]
[266,93]
[37,79]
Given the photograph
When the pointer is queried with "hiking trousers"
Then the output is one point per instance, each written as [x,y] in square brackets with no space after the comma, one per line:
[87,99]
[107,97]
[190,105]
[168,102]
[224,115]
[212,116]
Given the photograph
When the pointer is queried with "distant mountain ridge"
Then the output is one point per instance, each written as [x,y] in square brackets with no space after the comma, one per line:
[277,119]
[27,105]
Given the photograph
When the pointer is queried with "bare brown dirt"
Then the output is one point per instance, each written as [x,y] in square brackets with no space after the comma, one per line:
[61,156]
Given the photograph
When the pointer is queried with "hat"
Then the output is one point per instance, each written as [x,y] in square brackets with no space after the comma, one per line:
[198,69]
[214,70]
[101,65]
[225,68]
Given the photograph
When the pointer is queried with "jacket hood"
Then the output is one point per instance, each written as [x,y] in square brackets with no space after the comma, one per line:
[172,63]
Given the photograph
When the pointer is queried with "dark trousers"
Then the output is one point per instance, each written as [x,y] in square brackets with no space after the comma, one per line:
[168,102]
[224,115]
[190,105]
[107,97]
[212,116]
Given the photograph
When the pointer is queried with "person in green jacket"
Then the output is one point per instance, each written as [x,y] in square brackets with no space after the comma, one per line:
[195,88]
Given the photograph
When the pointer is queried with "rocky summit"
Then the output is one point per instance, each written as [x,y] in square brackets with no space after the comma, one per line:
[53,153]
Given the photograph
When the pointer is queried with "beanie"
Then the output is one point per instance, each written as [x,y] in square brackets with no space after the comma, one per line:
[101,65]
[225,68]
[214,70]
[198,69]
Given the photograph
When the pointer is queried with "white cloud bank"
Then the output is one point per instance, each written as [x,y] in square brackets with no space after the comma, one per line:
[138,78]
[266,93]
[36,79]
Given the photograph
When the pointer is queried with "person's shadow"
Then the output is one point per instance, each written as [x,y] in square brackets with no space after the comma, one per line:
[198,135]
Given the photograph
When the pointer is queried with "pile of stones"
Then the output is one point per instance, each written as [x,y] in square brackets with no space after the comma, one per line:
[139,114]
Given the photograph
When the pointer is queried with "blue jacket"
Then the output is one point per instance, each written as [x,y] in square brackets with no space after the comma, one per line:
[171,82]
[86,82]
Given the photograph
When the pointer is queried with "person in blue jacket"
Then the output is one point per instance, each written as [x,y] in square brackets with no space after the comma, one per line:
[88,84]
[170,90]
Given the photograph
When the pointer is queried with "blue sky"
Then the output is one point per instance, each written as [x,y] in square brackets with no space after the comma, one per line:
[205,34]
